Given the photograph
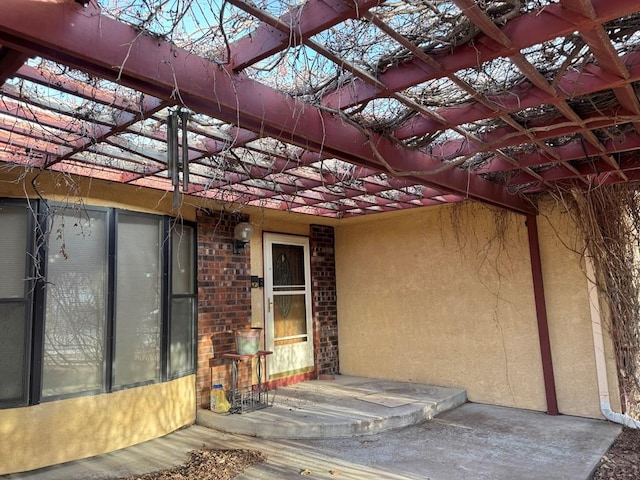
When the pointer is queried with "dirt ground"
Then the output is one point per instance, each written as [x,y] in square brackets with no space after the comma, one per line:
[622,460]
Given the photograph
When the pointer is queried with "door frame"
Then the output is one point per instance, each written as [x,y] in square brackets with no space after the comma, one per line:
[308,357]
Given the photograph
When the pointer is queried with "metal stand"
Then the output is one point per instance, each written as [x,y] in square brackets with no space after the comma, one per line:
[253,397]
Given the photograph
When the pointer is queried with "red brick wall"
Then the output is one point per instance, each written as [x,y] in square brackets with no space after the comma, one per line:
[325,310]
[224,297]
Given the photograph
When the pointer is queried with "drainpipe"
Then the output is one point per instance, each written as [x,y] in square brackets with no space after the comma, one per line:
[541,315]
[598,345]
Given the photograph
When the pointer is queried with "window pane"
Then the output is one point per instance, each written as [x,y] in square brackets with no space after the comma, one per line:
[12,351]
[182,262]
[138,300]
[13,250]
[289,319]
[13,314]
[288,266]
[182,336]
[75,307]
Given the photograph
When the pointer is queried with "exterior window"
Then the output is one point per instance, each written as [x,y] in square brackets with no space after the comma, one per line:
[14,307]
[183,301]
[138,323]
[76,293]
[112,304]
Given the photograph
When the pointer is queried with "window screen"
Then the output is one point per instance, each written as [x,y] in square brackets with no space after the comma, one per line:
[14,251]
[74,333]
[183,301]
[138,300]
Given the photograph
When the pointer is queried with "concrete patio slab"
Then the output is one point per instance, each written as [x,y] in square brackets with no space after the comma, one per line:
[344,407]
[472,441]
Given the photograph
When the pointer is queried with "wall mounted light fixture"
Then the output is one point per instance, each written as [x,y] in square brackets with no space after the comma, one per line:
[241,236]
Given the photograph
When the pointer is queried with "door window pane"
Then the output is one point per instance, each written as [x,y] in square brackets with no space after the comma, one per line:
[138,300]
[290,323]
[76,303]
[288,267]
[289,307]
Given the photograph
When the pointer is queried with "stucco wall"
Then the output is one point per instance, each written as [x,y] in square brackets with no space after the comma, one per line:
[570,328]
[422,301]
[56,432]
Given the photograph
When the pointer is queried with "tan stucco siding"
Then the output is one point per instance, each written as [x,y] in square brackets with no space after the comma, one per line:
[570,320]
[60,431]
[421,301]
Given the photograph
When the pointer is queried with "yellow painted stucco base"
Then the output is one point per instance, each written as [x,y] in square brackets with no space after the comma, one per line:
[64,430]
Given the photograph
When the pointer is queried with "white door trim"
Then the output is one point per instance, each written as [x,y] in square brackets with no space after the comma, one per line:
[294,357]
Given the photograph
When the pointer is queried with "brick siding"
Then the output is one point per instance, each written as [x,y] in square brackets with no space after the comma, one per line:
[224,298]
[325,309]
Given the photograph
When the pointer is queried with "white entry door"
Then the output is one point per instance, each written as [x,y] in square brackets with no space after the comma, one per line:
[288,321]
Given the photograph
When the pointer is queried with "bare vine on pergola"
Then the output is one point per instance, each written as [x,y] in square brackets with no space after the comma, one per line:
[435,27]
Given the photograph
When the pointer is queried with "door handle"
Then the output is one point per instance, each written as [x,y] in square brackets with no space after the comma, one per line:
[269,303]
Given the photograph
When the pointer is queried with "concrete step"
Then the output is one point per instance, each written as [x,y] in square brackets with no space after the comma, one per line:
[344,407]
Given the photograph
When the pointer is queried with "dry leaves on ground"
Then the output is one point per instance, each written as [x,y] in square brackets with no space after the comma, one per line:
[209,464]
[622,460]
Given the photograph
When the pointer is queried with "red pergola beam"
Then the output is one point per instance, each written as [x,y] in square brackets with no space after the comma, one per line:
[112,50]
[87,92]
[10,61]
[51,105]
[251,195]
[633,175]
[570,151]
[544,24]
[289,182]
[285,182]
[74,167]
[292,28]
[587,170]
[44,118]
[24,129]
[86,134]
[30,143]
[506,136]
[573,84]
